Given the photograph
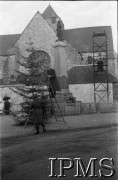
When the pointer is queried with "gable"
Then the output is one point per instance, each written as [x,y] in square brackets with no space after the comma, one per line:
[38,32]
[49,12]
[80,39]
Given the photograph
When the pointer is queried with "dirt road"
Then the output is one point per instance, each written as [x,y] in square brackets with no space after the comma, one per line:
[27,157]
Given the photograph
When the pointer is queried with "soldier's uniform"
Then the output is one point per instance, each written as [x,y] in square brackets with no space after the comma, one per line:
[53,82]
[43,102]
[37,114]
[7,105]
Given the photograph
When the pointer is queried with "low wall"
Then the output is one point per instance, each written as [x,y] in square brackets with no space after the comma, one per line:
[107,107]
[86,108]
[76,108]
[68,108]
[16,108]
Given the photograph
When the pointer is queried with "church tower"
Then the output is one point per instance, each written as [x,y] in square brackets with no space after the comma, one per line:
[51,17]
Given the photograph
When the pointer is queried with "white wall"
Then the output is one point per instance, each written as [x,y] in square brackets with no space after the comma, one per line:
[85,92]
[14,98]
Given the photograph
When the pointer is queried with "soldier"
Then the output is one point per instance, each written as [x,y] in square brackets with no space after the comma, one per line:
[7,105]
[44,102]
[37,113]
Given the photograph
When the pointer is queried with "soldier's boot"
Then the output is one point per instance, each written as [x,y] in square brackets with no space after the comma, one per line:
[37,129]
[44,130]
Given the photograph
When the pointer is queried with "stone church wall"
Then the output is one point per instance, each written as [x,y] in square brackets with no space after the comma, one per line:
[2,61]
[112,63]
[41,34]
[43,37]
[72,56]
[9,69]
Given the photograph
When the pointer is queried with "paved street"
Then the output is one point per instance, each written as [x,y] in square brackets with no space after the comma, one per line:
[26,156]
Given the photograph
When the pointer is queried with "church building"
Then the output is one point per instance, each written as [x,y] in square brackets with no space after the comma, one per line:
[70,51]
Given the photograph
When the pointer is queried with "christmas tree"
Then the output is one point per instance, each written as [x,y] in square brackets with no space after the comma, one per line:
[32,73]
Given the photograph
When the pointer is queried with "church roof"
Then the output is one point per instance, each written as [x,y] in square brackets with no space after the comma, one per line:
[84,74]
[81,74]
[7,41]
[81,38]
[49,12]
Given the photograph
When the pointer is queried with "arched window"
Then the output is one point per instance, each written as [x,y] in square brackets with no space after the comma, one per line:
[39,61]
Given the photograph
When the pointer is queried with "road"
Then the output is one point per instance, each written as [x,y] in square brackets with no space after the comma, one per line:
[10,129]
[27,157]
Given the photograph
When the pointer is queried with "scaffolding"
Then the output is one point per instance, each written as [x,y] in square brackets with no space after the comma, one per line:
[100,67]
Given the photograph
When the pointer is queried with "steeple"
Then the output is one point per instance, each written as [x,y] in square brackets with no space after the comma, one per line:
[49,13]
[52,18]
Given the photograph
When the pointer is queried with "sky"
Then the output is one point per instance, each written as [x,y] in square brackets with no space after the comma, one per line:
[15,15]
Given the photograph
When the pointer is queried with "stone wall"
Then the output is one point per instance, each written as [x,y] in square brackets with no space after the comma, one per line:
[72,56]
[2,61]
[5,71]
[41,34]
[43,37]
[9,69]
[85,108]
[85,92]
[112,63]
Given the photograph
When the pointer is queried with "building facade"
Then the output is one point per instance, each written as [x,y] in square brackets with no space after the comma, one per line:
[42,32]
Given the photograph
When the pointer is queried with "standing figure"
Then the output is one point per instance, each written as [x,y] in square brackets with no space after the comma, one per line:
[44,103]
[37,114]
[7,105]
[53,82]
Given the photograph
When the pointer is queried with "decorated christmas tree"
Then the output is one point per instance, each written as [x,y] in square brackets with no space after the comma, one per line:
[32,73]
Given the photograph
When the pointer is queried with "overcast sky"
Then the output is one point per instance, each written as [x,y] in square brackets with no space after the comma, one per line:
[15,15]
